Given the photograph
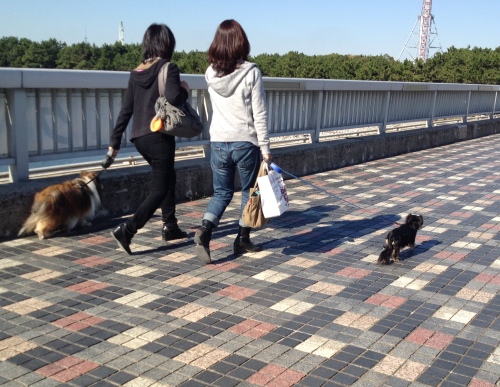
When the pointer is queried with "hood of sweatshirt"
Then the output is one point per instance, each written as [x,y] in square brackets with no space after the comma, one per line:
[145,78]
[226,85]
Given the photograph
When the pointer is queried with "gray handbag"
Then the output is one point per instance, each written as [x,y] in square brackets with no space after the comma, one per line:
[178,121]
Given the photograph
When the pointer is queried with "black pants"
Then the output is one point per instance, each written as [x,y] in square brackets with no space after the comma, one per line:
[159,151]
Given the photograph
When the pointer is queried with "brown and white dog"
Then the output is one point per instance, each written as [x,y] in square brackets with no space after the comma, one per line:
[61,207]
[399,238]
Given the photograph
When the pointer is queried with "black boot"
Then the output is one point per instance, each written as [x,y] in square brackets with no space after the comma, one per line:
[202,239]
[242,243]
[122,237]
[170,233]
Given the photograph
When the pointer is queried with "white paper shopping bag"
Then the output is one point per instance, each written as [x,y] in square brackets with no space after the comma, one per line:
[273,194]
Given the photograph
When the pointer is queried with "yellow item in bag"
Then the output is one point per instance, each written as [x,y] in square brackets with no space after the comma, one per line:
[156,124]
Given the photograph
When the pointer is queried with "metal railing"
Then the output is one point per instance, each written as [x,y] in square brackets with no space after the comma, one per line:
[64,115]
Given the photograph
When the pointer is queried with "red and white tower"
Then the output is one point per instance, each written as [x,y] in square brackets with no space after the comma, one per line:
[425,30]
[424,36]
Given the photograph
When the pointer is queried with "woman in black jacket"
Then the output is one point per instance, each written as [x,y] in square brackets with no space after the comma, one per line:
[158,149]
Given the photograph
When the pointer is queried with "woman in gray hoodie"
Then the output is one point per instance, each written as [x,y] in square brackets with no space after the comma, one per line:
[238,131]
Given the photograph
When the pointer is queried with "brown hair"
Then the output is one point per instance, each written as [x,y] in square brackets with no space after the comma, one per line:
[229,48]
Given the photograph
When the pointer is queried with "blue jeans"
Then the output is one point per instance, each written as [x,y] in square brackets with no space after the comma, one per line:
[226,158]
[159,151]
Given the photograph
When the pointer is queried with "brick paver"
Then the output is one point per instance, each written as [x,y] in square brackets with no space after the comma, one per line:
[312,309]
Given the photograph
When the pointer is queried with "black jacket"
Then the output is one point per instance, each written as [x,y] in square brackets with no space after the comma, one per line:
[140,99]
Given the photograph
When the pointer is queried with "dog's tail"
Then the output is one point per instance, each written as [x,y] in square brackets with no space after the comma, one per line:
[37,210]
[385,256]
[29,225]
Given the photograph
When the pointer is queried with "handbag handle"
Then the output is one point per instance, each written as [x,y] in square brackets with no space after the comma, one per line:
[263,169]
[162,79]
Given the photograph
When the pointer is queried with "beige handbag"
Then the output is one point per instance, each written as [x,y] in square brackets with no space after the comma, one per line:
[252,213]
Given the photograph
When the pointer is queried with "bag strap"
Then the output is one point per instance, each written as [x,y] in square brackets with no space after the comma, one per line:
[262,172]
[162,79]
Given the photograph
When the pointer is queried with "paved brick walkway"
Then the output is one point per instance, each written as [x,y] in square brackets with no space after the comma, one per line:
[312,309]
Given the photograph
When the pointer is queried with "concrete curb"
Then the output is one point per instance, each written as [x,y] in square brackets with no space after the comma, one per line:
[125,188]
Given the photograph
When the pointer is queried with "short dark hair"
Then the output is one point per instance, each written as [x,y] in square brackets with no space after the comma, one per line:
[229,48]
[158,41]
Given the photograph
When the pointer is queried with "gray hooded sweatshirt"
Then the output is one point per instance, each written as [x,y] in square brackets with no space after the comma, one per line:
[239,106]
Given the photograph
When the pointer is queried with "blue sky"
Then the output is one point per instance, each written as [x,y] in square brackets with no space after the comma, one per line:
[313,27]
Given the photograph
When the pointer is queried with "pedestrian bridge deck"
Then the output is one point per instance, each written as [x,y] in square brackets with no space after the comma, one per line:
[313,308]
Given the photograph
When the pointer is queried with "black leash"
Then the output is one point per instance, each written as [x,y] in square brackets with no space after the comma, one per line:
[105,164]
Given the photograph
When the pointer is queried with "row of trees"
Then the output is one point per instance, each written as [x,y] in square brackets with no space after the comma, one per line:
[456,65]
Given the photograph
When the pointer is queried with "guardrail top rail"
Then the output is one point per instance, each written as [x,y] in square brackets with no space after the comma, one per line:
[51,114]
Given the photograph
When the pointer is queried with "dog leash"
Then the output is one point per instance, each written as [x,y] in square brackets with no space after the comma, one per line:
[105,164]
[280,170]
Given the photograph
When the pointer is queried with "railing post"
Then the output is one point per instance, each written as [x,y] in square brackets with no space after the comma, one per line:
[430,124]
[492,115]
[18,136]
[468,105]
[317,113]
[387,103]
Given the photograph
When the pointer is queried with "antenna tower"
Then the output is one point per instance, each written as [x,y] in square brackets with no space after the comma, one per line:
[425,35]
[121,33]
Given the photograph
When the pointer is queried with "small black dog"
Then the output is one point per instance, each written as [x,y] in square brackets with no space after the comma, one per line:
[399,238]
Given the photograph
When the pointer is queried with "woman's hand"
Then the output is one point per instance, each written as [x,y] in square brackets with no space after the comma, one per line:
[109,158]
[115,151]
[268,158]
